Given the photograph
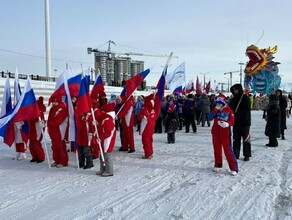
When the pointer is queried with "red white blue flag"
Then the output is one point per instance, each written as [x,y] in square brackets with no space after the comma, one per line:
[73,81]
[133,83]
[97,88]
[198,87]
[25,109]
[207,88]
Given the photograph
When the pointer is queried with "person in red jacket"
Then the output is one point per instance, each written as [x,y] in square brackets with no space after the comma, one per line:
[84,134]
[126,114]
[36,130]
[148,117]
[57,129]
[107,136]
[221,135]
[94,142]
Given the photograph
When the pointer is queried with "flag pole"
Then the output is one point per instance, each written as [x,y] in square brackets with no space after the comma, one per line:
[96,131]
[46,149]
[164,69]
[98,140]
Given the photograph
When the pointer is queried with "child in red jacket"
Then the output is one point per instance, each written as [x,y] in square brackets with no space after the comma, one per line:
[221,135]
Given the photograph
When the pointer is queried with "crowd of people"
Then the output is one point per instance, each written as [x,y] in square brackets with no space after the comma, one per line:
[96,130]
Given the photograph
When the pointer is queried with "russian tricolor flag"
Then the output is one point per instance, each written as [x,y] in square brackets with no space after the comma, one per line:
[25,109]
[73,80]
[97,88]
[133,83]
[84,103]
[160,91]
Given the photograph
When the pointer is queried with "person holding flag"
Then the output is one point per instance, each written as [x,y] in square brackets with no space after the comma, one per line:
[148,117]
[24,110]
[126,112]
[57,129]
[85,128]
[126,116]
[107,136]
[36,130]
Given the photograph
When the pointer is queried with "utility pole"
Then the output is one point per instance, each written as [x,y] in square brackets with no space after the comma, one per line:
[48,39]
[240,72]
[230,73]
[204,74]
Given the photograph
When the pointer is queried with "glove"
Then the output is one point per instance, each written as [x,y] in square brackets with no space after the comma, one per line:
[223,124]
[218,106]
[19,124]
[89,136]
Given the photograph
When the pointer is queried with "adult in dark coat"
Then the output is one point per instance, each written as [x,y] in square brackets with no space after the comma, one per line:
[190,112]
[273,121]
[283,106]
[240,104]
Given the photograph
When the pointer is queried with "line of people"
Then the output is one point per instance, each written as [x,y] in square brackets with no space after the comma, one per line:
[97,133]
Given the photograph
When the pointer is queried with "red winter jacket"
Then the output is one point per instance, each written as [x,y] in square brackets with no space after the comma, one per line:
[84,127]
[57,122]
[226,115]
[127,114]
[107,131]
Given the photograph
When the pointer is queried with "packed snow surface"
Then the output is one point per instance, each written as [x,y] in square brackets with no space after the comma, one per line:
[177,183]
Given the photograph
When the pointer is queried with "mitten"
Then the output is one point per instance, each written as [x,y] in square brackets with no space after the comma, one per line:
[223,124]
[218,106]
[19,124]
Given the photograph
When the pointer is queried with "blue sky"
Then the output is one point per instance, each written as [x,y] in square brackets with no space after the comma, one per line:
[209,36]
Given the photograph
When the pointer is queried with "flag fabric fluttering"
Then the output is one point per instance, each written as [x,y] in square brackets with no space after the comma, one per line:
[25,109]
[71,121]
[73,82]
[160,87]
[207,88]
[133,83]
[189,87]
[6,100]
[198,87]
[176,80]
[84,102]
[97,88]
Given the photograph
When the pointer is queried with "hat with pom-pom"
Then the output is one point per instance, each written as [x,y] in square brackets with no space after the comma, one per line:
[221,100]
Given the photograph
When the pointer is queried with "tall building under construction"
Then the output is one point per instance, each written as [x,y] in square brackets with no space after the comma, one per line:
[116,69]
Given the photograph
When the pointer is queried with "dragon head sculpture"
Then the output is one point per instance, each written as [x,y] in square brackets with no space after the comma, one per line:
[259,59]
[261,71]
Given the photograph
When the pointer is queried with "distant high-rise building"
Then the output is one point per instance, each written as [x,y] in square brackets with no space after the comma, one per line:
[116,70]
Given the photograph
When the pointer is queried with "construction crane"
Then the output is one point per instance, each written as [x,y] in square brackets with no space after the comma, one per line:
[90,50]
[113,65]
[230,73]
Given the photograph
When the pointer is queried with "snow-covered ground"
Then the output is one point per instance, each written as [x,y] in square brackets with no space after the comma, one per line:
[178,183]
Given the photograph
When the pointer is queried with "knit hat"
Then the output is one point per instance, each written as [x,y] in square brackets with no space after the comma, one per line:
[221,100]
